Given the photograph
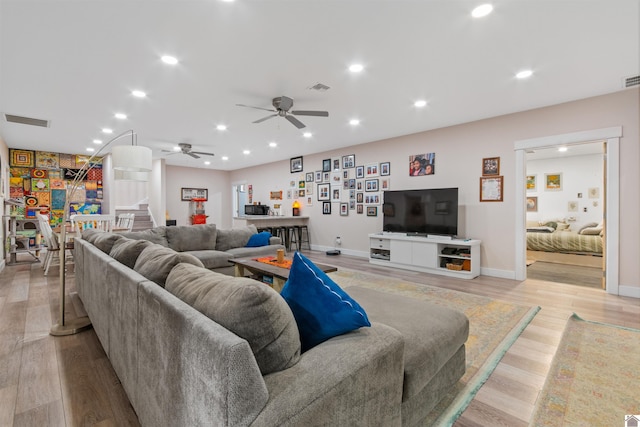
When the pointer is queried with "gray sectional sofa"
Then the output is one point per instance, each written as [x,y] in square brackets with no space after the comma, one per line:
[193,347]
[213,246]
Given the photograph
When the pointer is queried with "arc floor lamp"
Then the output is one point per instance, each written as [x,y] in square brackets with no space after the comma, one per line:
[129,162]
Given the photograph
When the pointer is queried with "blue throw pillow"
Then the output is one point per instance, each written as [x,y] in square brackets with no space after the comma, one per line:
[321,308]
[259,239]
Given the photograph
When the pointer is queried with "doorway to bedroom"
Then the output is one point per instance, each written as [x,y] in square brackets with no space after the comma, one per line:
[564,215]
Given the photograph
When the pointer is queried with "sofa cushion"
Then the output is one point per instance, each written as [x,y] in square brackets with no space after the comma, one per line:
[259,239]
[155,262]
[126,251]
[192,237]
[245,252]
[155,235]
[321,308]
[248,308]
[212,259]
[103,240]
[432,333]
[234,238]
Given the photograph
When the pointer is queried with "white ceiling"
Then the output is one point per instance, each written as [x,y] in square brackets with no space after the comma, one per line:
[75,63]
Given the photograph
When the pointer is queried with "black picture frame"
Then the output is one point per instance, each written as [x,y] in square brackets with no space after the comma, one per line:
[371,185]
[326,208]
[385,169]
[186,194]
[372,211]
[295,164]
[326,165]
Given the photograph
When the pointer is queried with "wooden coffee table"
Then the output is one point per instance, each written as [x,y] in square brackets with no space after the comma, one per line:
[272,275]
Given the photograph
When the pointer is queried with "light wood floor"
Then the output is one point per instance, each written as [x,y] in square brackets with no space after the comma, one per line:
[68,381]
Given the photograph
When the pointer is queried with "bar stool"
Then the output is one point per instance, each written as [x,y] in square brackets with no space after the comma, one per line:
[303,237]
[283,234]
[294,236]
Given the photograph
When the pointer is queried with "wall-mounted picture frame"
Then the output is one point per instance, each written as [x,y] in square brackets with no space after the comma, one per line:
[372,169]
[360,197]
[372,211]
[359,171]
[491,189]
[309,177]
[335,164]
[385,169]
[344,209]
[532,185]
[594,192]
[295,164]
[349,161]
[275,195]
[572,206]
[323,192]
[318,176]
[422,164]
[326,208]
[553,181]
[491,166]
[186,194]
[336,194]
[326,165]
[359,209]
[371,185]
[532,204]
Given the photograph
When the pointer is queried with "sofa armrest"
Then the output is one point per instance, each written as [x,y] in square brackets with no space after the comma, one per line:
[352,379]
[273,240]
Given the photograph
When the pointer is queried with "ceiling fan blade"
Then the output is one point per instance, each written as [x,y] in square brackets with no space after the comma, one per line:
[202,153]
[297,123]
[192,155]
[310,113]
[257,108]
[170,152]
[265,118]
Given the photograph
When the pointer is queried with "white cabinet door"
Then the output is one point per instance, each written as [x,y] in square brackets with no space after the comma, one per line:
[401,252]
[425,254]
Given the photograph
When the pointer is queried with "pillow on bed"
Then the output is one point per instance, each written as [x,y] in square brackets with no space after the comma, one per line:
[589,225]
[592,231]
[551,224]
[541,229]
[563,226]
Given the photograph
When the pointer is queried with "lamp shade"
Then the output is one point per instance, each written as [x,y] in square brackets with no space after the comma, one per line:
[132,158]
[121,175]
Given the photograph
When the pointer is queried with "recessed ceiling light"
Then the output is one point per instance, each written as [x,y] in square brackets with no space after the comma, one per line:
[482,10]
[120,116]
[176,148]
[228,1]
[138,94]
[273,144]
[169,60]
[90,150]
[354,122]
[221,127]
[97,141]
[420,103]
[246,152]
[107,130]
[307,134]
[356,68]
[207,162]
[225,158]
[562,149]
[524,74]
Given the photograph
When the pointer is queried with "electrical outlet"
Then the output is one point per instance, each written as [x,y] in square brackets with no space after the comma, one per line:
[338,241]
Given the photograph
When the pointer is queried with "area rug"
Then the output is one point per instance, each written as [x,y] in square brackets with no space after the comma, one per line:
[493,327]
[594,378]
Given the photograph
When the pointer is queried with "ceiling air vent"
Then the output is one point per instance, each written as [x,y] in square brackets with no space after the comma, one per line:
[319,87]
[26,120]
[630,81]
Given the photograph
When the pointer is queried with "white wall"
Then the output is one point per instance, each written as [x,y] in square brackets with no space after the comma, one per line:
[579,174]
[216,182]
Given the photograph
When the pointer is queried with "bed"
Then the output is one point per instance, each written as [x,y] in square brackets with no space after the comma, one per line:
[548,239]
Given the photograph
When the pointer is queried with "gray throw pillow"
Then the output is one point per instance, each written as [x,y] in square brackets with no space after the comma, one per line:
[235,237]
[197,237]
[126,251]
[246,307]
[105,241]
[154,235]
[155,262]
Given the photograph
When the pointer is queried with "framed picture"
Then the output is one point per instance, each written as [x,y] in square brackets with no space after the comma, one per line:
[532,204]
[323,192]
[326,165]
[491,189]
[296,164]
[309,177]
[335,164]
[344,209]
[553,181]
[359,209]
[531,183]
[275,195]
[301,193]
[360,197]
[309,190]
[371,185]
[318,176]
[385,184]
[572,206]
[186,194]
[594,192]
[491,166]
[422,164]
[372,211]
[326,208]
[349,161]
[385,169]
[359,171]
[336,194]
[371,169]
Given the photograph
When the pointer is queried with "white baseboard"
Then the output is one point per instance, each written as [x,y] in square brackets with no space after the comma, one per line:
[629,291]
[494,272]
[342,251]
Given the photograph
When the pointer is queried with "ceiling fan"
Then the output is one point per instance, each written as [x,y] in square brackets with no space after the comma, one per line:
[186,149]
[282,105]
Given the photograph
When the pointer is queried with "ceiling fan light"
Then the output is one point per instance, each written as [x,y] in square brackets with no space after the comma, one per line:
[133,158]
[356,68]
[168,59]
[420,103]
[482,10]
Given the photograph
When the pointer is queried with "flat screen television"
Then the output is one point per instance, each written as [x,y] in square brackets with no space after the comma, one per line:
[421,212]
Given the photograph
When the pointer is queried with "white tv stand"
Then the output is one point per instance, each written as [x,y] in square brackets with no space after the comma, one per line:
[425,254]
